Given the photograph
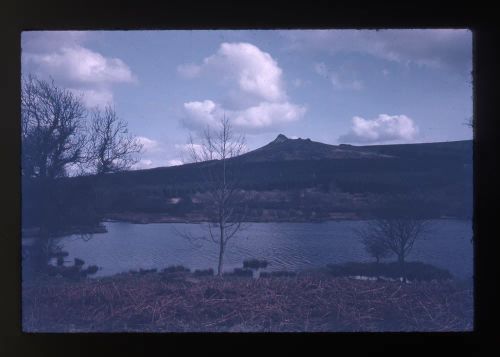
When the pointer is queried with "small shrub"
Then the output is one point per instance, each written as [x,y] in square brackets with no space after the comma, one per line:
[71,273]
[279,273]
[59,254]
[203,272]
[92,269]
[347,269]
[176,269]
[241,272]
[426,272]
[255,264]
[79,262]
[147,271]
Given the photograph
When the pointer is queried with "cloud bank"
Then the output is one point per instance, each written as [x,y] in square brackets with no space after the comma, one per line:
[63,56]
[260,117]
[256,99]
[384,128]
[155,154]
[436,48]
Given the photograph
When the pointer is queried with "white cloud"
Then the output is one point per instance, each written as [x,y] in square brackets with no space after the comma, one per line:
[80,65]
[436,48]
[174,162]
[200,114]
[255,71]
[142,164]
[62,56]
[185,152]
[266,115]
[149,145]
[384,128]
[153,153]
[258,100]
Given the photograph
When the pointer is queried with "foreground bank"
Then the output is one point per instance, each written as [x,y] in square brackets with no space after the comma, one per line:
[181,302]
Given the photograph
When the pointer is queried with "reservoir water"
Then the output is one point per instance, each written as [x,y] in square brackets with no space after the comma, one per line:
[287,246]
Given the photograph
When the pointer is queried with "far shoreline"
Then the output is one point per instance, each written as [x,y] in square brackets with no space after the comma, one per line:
[147,218]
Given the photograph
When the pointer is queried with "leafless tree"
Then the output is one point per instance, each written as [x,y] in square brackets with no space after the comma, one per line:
[53,141]
[52,129]
[397,235]
[216,150]
[111,148]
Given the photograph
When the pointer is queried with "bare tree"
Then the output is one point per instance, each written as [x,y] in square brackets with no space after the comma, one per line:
[397,235]
[216,149]
[53,140]
[52,129]
[111,148]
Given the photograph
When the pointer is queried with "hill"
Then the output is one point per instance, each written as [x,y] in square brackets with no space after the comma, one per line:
[297,180]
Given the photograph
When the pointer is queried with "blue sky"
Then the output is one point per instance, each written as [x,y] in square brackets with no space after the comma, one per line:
[335,86]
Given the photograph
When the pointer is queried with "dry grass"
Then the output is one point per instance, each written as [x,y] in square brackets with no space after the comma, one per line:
[181,303]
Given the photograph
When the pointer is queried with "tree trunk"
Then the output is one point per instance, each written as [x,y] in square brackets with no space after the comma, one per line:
[401,260]
[221,251]
[40,251]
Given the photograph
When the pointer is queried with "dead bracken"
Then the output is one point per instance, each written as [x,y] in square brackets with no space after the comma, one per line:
[305,302]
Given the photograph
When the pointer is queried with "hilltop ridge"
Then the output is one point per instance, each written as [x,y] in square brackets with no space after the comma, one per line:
[284,148]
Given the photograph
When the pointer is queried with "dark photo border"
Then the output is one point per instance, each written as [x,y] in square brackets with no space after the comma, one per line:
[71,15]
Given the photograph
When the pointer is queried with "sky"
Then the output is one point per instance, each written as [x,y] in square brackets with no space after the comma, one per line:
[359,87]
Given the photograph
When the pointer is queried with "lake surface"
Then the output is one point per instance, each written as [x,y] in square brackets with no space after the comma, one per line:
[287,246]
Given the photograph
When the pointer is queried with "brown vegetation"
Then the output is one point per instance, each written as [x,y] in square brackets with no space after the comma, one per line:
[180,302]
